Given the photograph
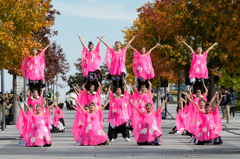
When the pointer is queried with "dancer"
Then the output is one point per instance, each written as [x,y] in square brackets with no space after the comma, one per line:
[91,132]
[181,119]
[34,99]
[115,61]
[199,95]
[118,116]
[39,132]
[90,61]
[199,63]
[59,120]
[205,125]
[24,123]
[149,130]
[32,68]
[142,64]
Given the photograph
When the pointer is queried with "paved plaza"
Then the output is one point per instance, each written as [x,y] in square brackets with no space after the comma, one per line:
[173,146]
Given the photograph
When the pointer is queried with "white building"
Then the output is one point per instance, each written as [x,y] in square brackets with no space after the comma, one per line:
[20,85]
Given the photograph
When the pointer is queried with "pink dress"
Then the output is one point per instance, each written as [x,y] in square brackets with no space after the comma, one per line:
[181,121]
[34,103]
[40,134]
[20,125]
[32,68]
[196,99]
[90,61]
[119,110]
[87,99]
[199,66]
[210,127]
[115,61]
[140,102]
[92,133]
[57,115]
[142,66]
[49,115]
[149,126]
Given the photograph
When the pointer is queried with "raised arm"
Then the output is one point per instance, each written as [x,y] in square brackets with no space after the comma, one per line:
[150,86]
[106,104]
[103,42]
[211,47]
[83,110]
[41,92]
[75,89]
[53,104]
[206,90]
[181,103]
[135,106]
[19,104]
[25,103]
[163,102]
[190,90]
[83,86]
[189,47]
[99,86]
[219,101]
[81,41]
[28,90]
[189,99]
[109,88]
[128,44]
[214,97]
[46,47]
[154,47]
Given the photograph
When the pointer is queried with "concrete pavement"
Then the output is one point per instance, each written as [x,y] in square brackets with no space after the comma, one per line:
[173,146]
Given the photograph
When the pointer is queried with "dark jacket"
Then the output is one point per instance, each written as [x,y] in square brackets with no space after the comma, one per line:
[227,99]
[222,102]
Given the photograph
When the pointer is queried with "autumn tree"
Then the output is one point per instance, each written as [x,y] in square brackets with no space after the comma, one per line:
[195,21]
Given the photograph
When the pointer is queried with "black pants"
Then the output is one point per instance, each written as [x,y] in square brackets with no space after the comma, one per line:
[232,111]
[123,129]
[62,121]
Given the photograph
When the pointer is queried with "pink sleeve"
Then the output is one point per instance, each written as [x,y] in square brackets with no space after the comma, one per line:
[108,57]
[205,54]
[97,49]
[135,61]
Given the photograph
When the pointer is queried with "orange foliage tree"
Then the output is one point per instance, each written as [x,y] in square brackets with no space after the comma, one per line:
[197,22]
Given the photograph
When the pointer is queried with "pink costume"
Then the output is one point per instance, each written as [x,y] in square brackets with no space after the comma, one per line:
[87,98]
[119,110]
[33,67]
[196,99]
[57,115]
[142,66]
[90,60]
[199,66]
[89,130]
[181,121]
[115,61]
[149,126]
[49,115]
[24,124]
[34,103]
[39,131]
[140,101]
[210,125]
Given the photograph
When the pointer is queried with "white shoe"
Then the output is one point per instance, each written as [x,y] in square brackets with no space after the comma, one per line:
[233,118]
[130,131]
[78,143]
[178,132]
[127,139]
[112,140]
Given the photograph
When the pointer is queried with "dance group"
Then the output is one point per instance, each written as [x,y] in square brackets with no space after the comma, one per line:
[127,110]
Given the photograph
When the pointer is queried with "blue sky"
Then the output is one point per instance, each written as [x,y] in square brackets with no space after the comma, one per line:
[89,19]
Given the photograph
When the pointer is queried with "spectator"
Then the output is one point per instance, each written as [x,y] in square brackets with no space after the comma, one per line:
[232,104]
[161,96]
[8,107]
[1,109]
[50,95]
[227,101]
[222,104]
[67,100]
[72,101]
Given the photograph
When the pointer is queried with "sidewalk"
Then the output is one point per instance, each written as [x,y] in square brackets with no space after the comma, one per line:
[173,146]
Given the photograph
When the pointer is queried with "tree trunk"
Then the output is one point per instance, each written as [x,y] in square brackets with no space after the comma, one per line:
[179,87]
[158,96]
[15,105]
